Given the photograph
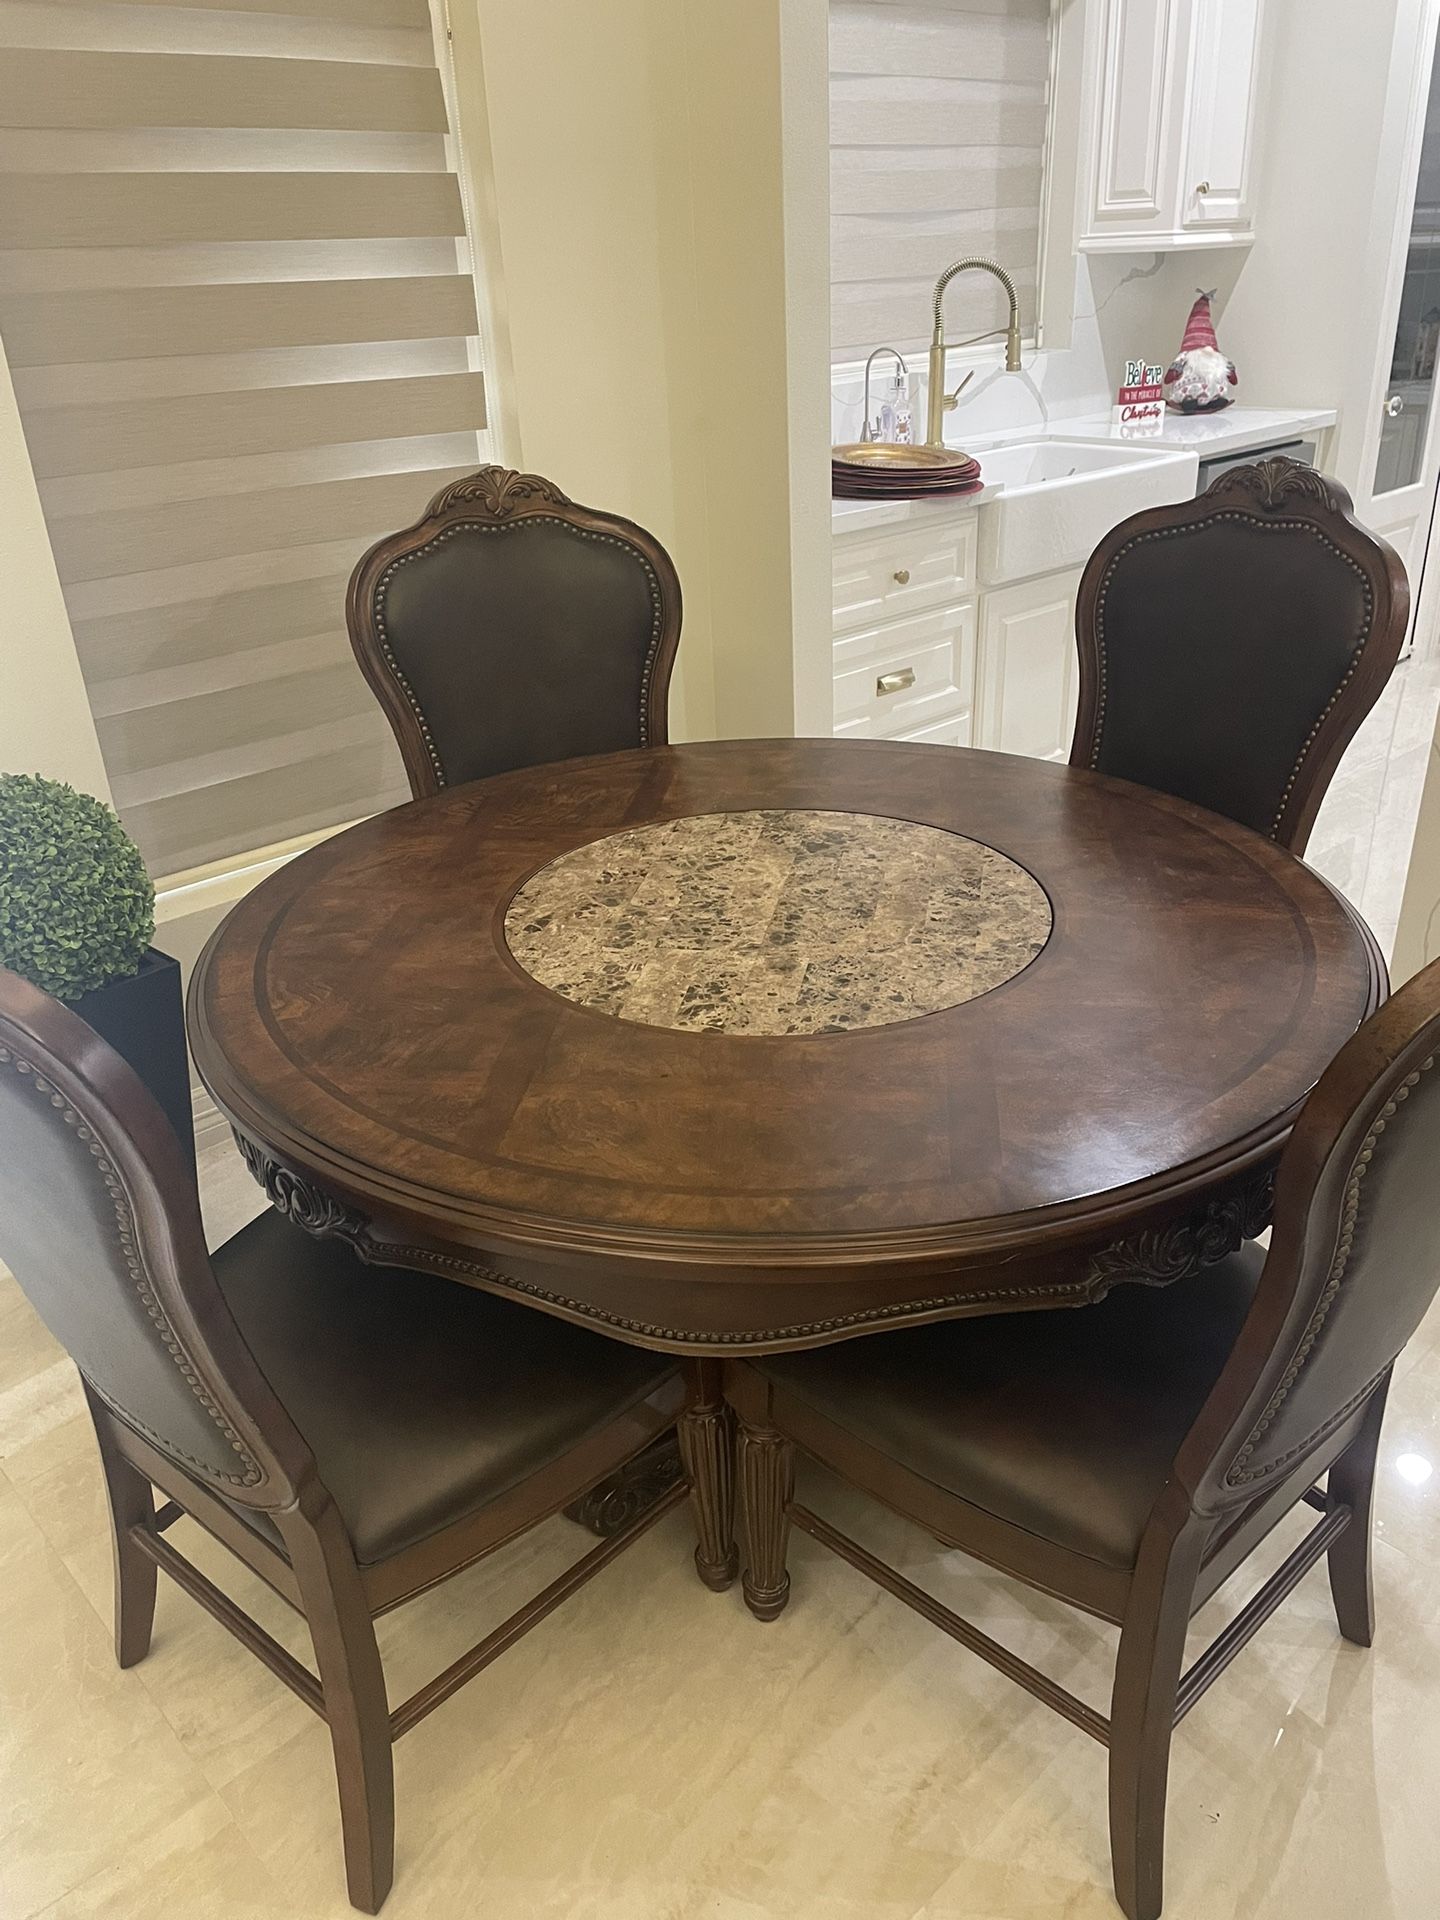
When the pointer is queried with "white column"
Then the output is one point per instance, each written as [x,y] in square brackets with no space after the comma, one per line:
[45,723]
[1417,938]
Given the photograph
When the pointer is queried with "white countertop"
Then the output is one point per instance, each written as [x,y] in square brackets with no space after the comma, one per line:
[849,516]
[1233,430]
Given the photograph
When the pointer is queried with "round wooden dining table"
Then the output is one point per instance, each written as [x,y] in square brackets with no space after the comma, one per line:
[761,1044]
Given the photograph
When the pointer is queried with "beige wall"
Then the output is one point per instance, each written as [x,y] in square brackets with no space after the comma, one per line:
[45,724]
[660,276]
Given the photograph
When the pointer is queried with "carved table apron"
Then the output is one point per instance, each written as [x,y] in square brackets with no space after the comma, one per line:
[752,1099]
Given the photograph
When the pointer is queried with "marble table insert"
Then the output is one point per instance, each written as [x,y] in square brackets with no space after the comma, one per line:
[777,922]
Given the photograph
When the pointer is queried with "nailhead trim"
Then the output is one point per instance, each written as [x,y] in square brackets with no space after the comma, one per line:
[1241,1473]
[657,606]
[130,1254]
[1261,526]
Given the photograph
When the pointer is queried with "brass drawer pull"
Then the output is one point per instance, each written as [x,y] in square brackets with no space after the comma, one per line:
[902,576]
[896,682]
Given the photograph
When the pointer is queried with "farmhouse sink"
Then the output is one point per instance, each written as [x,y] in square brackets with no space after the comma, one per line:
[1059,497]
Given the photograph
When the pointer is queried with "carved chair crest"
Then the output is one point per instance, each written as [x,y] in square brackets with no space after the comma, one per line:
[1273,482]
[498,491]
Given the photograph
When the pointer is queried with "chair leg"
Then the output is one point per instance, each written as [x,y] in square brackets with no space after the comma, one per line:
[707,1447]
[132,1504]
[1352,1480]
[343,1635]
[1142,1721]
[767,1471]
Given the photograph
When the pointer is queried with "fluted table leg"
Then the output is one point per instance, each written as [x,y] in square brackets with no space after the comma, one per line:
[767,1475]
[707,1449]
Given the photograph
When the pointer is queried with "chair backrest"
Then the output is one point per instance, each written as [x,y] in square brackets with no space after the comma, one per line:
[1354,1260]
[1230,646]
[100,1224]
[510,627]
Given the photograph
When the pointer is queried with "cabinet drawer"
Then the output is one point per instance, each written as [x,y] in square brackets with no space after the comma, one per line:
[859,648]
[919,679]
[954,732]
[894,572]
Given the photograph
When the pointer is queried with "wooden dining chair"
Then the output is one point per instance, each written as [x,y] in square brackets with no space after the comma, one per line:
[1230,646]
[509,627]
[354,1434]
[1128,1457]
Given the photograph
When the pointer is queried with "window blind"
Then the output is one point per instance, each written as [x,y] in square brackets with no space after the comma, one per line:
[236,299]
[937,132]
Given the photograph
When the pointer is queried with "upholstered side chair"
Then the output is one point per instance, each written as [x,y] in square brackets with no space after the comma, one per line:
[1128,1457]
[1230,646]
[354,1434]
[510,627]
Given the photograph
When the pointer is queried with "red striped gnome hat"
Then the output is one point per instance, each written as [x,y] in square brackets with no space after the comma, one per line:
[1199,328]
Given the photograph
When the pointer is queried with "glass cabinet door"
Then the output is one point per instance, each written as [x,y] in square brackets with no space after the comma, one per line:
[1410,395]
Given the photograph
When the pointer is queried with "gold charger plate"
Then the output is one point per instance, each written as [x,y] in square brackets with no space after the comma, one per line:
[887,455]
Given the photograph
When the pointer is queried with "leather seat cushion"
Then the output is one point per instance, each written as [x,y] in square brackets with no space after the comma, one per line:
[422,1400]
[1064,1423]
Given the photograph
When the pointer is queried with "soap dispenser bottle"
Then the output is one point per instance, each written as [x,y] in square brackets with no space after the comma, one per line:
[893,419]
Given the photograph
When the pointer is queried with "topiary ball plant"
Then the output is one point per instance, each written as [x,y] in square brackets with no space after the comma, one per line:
[77,908]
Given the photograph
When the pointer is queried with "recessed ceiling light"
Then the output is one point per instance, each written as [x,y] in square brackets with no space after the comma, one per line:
[1415,1468]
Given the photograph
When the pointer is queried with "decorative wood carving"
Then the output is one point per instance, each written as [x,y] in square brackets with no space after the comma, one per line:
[1156,1256]
[499,491]
[1179,1249]
[611,1506]
[1274,481]
[300,1199]
[767,1473]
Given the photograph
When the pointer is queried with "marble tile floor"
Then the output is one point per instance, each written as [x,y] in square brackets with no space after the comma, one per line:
[651,1753]
[1362,838]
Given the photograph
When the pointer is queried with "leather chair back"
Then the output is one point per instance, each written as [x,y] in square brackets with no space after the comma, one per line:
[100,1224]
[1230,646]
[510,627]
[1354,1261]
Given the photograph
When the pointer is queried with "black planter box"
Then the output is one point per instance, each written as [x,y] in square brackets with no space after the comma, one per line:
[143,1018]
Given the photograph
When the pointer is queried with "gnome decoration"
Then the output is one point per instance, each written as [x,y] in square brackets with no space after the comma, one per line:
[1200,377]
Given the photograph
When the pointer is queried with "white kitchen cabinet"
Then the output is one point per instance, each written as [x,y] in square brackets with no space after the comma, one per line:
[955,732]
[901,680]
[1027,681]
[927,564]
[1172,125]
[995,668]
[1217,164]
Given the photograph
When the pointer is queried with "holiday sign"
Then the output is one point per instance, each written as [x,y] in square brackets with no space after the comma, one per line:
[1139,409]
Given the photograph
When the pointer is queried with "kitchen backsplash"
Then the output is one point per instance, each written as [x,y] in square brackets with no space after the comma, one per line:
[1122,307]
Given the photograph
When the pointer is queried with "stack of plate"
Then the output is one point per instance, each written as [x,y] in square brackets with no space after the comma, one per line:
[877,470]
